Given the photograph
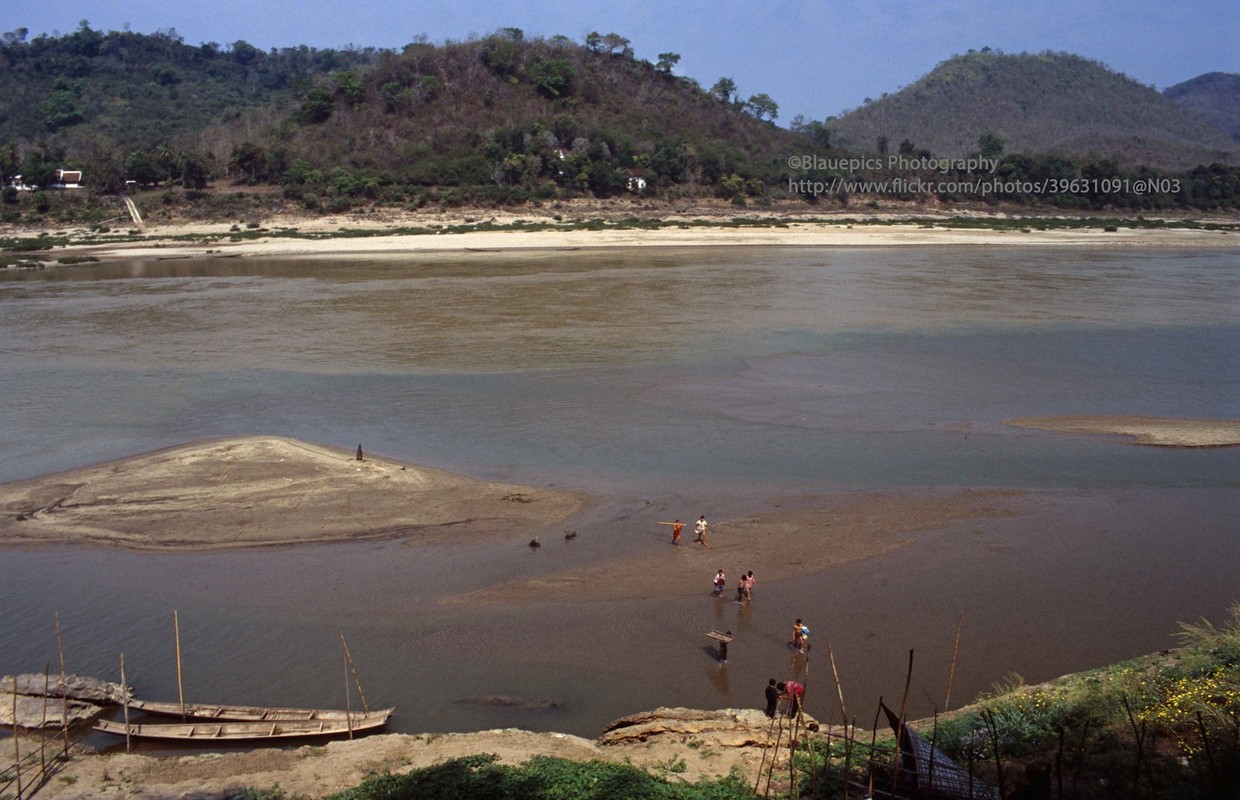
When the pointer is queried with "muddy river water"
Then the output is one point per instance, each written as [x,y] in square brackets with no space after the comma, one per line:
[666,382]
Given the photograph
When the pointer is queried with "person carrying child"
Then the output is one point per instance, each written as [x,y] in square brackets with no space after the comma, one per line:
[798,636]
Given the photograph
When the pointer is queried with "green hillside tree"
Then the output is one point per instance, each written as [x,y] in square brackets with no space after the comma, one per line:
[725,90]
[990,145]
[761,105]
[667,61]
[553,77]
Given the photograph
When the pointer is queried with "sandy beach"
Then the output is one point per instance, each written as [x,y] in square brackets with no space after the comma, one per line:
[387,234]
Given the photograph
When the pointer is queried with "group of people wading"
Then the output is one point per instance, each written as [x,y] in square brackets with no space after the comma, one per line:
[790,691]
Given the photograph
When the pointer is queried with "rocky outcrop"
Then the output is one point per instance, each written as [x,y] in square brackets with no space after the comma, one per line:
[45,701]
[75,687]
[728,727]
[44,712]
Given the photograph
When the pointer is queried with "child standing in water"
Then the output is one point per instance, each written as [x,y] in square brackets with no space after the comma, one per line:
[798,638]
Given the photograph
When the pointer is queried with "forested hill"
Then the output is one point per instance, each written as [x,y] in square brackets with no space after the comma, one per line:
[524,117]
[502,110]
[91,94]
[138,90]
[1215,96]
[1043,103]
[507,119]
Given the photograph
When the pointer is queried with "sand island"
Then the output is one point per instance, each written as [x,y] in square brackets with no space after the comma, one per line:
[1153,431]
[265,491]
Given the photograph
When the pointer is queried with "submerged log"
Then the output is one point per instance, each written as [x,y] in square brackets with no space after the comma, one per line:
[512,701]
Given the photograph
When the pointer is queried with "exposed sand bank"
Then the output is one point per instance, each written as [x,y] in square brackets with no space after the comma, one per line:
[269,490]
[1155,431]
[388,235]
[802,536]
[257,491]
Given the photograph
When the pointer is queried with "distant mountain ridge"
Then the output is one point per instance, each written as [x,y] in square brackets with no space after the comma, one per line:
[1215,96]
[507,119]
[1037,103]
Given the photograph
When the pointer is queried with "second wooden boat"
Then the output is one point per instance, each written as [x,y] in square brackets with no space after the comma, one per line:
[237,713]
[207,732]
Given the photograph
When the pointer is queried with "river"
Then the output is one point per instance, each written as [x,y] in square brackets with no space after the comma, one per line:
[665,381]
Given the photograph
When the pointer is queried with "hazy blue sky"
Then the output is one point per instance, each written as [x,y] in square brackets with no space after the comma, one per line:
[813,58]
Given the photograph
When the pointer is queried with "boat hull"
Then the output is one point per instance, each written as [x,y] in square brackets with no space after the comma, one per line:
[220,712]
[231,731]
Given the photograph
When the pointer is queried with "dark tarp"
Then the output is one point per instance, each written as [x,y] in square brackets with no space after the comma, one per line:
[930,772]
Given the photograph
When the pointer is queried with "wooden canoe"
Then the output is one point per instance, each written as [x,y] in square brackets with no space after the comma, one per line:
[231,713]
[231,731]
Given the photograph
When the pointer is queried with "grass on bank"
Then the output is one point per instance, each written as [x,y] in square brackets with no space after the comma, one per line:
[542,777]
[1161,726]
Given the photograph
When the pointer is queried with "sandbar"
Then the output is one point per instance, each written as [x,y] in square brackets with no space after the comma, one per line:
[1152,431]
[790,538]
[389,235]
[266,491]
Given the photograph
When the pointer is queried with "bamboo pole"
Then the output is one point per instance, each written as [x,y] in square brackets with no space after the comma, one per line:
[794,735]
[762,763]
[813,758]
[779,737]
[794,738]
[349,661]
[951,673]
[176,629]
[47,682]
[873,741]
[125,695]
[839,689]
[348,709]
[813,762]
[17,750]
[848,747]
[64,688]
[908,681]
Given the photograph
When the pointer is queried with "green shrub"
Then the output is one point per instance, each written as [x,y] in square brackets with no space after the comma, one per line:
[481,776]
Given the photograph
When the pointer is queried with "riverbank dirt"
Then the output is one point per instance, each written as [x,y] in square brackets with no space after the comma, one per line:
[680,744]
